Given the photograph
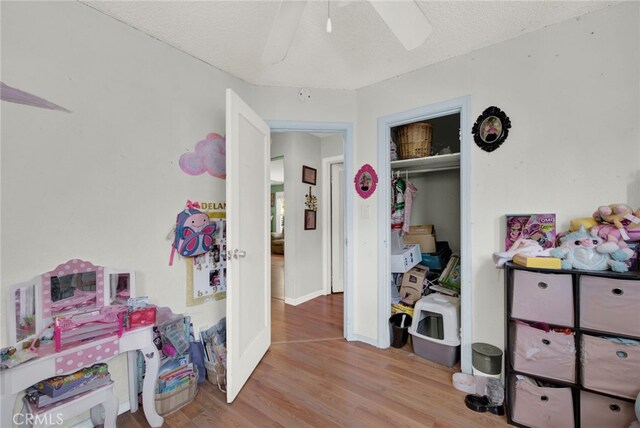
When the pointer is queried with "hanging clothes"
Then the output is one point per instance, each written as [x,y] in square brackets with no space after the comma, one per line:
[409,195]
[397,205]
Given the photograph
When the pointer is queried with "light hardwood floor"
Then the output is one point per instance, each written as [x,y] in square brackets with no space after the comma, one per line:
[312,377]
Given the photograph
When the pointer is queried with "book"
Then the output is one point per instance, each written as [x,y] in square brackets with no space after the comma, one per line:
[40,399]
[537,262]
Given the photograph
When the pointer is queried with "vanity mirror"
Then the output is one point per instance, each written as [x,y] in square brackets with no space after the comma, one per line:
[120,287]
[22,309]
[71,288]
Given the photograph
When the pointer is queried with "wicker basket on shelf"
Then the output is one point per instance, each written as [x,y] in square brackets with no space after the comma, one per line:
[414,140]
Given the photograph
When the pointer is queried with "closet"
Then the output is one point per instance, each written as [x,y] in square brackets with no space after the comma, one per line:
[437,179]
[443,199]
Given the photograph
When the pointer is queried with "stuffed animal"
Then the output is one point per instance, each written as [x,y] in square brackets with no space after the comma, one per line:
[581,250]
[617,224]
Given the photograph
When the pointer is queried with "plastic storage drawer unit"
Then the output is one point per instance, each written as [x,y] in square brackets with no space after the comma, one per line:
[544,353]
[435,329]
[543,297]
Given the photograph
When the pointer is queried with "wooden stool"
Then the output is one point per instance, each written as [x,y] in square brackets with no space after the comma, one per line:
[55,414]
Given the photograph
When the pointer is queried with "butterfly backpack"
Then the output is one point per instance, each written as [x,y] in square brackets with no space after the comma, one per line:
[194,234]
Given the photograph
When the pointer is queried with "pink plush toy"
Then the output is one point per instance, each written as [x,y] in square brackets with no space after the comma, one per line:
[617,224]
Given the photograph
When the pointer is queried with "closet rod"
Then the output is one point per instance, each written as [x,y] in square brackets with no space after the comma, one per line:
[419,171]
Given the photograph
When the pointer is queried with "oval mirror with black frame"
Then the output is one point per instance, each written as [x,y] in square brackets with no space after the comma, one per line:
[491,129]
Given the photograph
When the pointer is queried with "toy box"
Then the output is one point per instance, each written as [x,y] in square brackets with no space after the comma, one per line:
[539,227]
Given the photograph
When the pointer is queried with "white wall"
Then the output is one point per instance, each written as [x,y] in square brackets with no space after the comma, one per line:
[102,183]
[438,202]
[572,93]
[332,145]
[303,248]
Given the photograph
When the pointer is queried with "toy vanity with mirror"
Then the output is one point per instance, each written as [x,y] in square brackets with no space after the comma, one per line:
[73,317]
[74,302]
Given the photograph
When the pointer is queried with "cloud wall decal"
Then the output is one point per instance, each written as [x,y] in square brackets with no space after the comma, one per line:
[209,156]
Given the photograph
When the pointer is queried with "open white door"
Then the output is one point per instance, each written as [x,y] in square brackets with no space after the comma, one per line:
[248,146]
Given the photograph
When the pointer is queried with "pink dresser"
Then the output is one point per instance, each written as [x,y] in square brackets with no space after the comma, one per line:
[572,355]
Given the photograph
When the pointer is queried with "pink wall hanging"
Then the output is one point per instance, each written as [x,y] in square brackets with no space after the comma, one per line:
[366,181]
[209,156]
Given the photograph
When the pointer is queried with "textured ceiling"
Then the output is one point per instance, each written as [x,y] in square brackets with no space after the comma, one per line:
[360,51]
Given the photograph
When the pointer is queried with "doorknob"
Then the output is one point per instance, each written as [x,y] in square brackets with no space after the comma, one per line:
[239,254]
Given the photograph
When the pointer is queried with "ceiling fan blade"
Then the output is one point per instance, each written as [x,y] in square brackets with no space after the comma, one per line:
[282,31]
[405,20]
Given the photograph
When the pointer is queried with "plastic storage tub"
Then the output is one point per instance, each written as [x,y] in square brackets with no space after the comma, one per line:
[435,329]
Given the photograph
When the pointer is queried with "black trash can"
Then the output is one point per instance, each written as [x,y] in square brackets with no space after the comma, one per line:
[399,325]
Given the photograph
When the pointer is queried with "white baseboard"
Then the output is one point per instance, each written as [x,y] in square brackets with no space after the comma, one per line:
[364,339]
[299,300]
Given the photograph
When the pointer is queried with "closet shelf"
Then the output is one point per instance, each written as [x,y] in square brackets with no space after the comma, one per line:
[431,163]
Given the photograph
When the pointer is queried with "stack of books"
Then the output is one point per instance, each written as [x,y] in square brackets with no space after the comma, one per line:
[175,373]
[60,388]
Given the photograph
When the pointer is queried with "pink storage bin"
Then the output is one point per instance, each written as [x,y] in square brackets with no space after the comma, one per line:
[540,407]
[548,354]
[610,367]
[598,411]
[610,305]
[543,297]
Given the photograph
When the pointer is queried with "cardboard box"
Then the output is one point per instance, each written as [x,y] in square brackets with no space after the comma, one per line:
[423,235]
[412,283]
[405,258]
[539,227]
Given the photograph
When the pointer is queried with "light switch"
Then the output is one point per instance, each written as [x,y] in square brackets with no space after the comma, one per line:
[364,211]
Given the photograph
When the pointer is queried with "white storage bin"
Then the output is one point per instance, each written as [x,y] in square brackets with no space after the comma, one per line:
[538,352]
[404,258]
[435,329]
[597,411]
[540,407]
[610,367]
[543,297]
[610,305]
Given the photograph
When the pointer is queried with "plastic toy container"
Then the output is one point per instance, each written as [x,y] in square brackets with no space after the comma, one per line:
[435,329]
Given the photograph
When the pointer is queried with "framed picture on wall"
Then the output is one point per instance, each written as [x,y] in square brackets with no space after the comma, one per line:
[309,175]
[309,220]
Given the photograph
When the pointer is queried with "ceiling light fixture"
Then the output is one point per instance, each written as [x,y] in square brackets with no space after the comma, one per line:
[328,18]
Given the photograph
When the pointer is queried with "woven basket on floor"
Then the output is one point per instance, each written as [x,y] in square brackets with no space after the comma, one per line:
[169,402]
[414,140]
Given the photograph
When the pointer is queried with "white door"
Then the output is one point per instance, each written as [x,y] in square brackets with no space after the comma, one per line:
[248,146]
[337,228]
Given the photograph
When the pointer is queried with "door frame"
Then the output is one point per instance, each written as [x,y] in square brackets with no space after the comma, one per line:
[326,219]
[462,106]
[346,129]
